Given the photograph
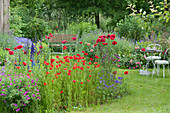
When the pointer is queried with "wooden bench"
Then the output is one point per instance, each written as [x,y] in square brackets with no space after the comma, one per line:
[57,39]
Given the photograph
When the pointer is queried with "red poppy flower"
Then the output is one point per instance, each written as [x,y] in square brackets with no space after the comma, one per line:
[91,92]
[24,63]
[103,40]
[74,38]
[96,56]
[91,59]
[29,70]
[50,35]
[88,67]
[57,56]
[89,63]
[95,62]
[69,74]
[52,65]
[11,52]
[41,47]
[64,41]
[31,60]
[47,63]
[115,72]
[52,80]
[8,49]
[85,53]
[98,40]
[19,46]
[64,48]
[38,53]
[61,92]
[50,68]
[90,76]
[15,48]
[88,80]
[80,42]
[47,73]
[114,42]
[126,72]
[74,81]
[47,37]
[81,82]
[45,84]
[112,38]
[102,36]
[18,67]
[25,52]
[105,43]
[52,60]
[143,49]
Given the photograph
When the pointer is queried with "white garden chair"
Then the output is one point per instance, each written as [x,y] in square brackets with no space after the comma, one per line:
[163,62]
[153,52]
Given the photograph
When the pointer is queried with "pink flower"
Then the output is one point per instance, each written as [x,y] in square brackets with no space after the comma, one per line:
[74,81]
[137,47]
[88,44]
[131,61]
[118,60]
[118,65]
[91,50]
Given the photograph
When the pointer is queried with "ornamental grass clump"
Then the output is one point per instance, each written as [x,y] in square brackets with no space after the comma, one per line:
[18,91]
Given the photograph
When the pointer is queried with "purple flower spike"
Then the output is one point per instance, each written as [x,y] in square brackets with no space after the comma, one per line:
[15,104]
[17,109]
[4,101]
[0,79]
[32,81]
[33,95]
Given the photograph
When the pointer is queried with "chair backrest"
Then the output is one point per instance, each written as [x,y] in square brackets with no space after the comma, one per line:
[167,54]
[154,47]
[60,37]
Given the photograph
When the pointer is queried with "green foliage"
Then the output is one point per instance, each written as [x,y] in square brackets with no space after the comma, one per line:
[35,28]
[23,25]
[81,28]
[157,21]
[18,91]
[2,57]
[131,27]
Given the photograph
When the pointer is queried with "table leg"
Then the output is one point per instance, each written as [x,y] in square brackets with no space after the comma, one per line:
[164,71]
[158,69]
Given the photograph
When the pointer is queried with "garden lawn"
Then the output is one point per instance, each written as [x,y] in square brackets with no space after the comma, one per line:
[146,95]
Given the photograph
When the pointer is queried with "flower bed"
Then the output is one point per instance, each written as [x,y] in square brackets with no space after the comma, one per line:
[32,81]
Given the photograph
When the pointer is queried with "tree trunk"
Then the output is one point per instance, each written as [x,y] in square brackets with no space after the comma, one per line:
[4,15]
[97,22]
[59,19]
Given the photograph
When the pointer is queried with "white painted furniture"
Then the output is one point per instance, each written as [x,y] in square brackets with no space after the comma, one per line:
[152,53]
[163,62]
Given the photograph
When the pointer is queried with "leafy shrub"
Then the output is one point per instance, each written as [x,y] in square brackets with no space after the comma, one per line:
[24,25]
[131,27]
[82,27]
[35,29]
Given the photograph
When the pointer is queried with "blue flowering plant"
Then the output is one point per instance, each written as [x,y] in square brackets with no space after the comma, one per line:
[110,86]
[18,91]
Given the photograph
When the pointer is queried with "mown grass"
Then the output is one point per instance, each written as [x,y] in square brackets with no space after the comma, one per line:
[146,95]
